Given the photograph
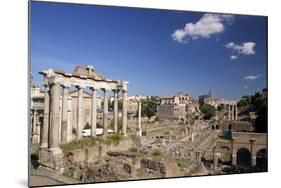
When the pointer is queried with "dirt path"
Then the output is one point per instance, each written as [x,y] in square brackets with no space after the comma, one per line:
[42,181]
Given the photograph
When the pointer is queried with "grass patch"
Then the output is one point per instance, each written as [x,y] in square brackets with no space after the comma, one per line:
[183,163]
[87,142]
[137,150]
[156,152]
[162,130]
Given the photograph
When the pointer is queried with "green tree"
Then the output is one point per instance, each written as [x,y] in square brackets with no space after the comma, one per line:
[261,111]
[208,110]
[220,107]
[149,106]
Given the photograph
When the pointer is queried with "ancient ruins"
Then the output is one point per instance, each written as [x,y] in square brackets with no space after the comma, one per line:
[85,128]
[59,82]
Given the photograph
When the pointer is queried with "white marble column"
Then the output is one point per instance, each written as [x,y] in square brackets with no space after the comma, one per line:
[232,112]
[124,112]
[54,128]
[228,111]
[105,111]
[236,112]
[115,127]
[64,122]
[80,116]
[34,124]
[45,128]
[94,112]
[139,119]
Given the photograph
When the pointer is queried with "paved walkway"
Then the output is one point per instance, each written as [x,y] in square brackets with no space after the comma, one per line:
[43,181]
[43,176]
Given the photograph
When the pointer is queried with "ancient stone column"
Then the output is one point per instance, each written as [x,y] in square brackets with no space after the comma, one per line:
[215,158]
[253,152]
[229,112]
[198,156]
[236,112]
[34,124]
[115,127]
[139,119]
[94,112]
[234,152]
[80,117]
[45,128]
[64,122]
[232,113]
[105,111]
[124,113]
[69,119]
[54,128]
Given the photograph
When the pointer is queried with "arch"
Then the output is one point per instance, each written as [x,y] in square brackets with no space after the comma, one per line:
[261,159]
[217,127]
[244,157]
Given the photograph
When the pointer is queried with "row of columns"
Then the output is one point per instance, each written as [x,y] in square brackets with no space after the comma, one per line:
[232,112]
[51,124]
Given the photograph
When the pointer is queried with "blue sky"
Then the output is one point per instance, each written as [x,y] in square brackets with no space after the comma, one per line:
[159,52]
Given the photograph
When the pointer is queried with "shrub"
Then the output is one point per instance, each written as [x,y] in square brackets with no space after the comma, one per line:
[133,149]
[156,153]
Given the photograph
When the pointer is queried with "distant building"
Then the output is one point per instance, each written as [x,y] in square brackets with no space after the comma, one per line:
[133,103]
[204,98]
[209,99]
[175,107]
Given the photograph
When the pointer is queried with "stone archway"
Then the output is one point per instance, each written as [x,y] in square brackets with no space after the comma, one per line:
[244,157]
[261,159]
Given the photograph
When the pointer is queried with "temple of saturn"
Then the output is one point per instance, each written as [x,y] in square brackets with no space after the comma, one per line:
[55,125]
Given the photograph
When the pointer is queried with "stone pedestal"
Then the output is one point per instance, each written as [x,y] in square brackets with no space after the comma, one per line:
[51,158]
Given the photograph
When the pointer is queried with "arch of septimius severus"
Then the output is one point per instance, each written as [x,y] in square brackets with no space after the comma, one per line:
[56,127]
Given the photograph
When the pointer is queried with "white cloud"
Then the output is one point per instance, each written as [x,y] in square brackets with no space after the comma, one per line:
[233,57]
[247,48]
[252,77]
[209,24]
[245,87]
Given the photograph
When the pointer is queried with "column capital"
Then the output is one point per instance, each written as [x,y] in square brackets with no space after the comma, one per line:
[93,88]
[125,86]
[80,87]
[46,85]
[105,89]
[65,85]
[115,90]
